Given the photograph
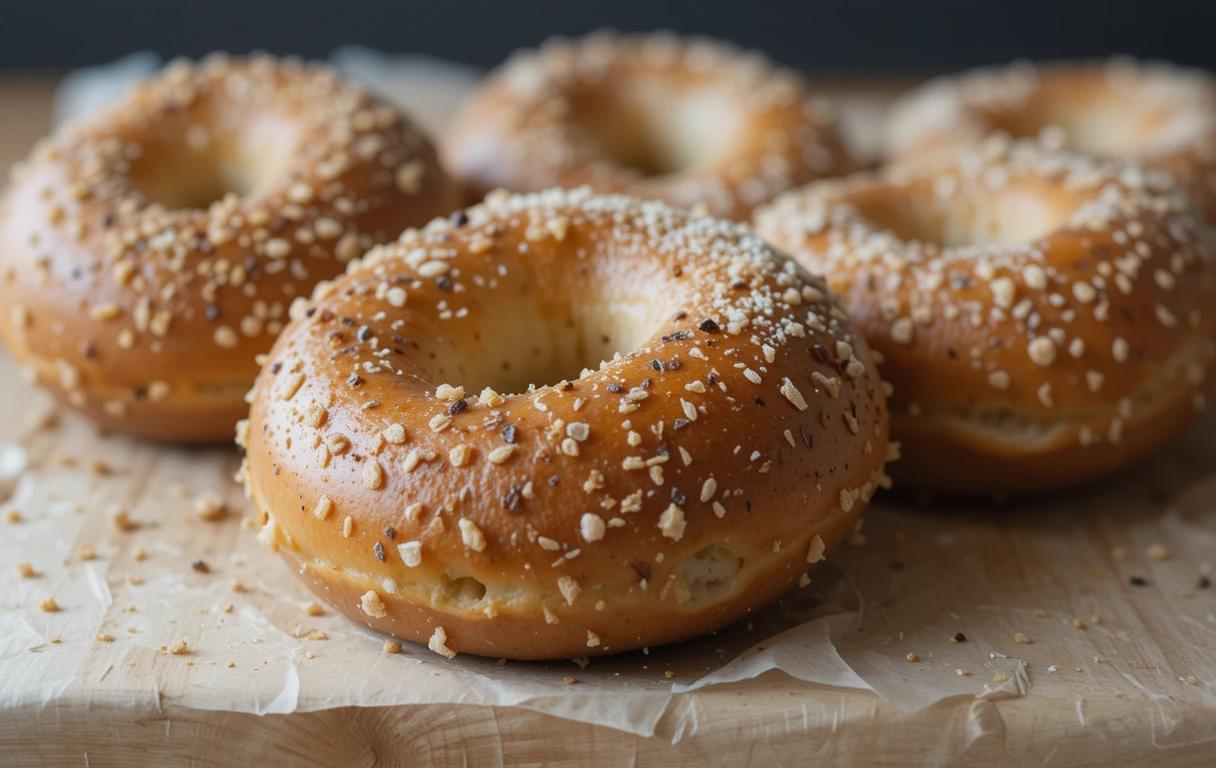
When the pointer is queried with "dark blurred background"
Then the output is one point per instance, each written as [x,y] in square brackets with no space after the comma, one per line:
[829,35]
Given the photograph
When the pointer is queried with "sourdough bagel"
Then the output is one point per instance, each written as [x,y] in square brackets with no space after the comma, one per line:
[1043,318]
[149,253]
[1158,115]
[655,116]
[726,430]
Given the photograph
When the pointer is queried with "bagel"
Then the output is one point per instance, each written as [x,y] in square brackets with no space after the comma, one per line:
[149,253]
[654,116]
[1043,318]
[424,451]
[1157,115]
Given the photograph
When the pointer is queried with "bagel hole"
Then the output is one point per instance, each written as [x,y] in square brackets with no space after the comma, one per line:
[658,130]
[191,168]
[1100,122]
[525,340]
[989,218]
[710,571]
[197,191]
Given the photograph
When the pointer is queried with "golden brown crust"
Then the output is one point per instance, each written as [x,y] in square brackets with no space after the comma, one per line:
[1043,319]
[673,488]
[688,121]
[1156,114]
[136,295]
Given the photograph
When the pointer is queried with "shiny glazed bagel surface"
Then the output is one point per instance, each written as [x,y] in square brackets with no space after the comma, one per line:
[688,121]
[1044,319]
[150,252]
[562,425]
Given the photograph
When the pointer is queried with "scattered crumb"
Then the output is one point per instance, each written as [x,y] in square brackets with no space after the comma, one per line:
[209,506]
[392,646]
[49,605]
[1157,552]
[121,521]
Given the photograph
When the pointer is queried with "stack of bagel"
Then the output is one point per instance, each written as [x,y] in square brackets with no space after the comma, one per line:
[626,355]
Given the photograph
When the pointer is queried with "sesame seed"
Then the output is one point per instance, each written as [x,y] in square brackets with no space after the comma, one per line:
[1035,277]
[792,394]
[1004,291]
[373,475]
[394,433]
[815,553]
[591,527]
[460,455]
[671,522]
[1084,292]
[395,296]
[226,337]
[323,508]
[1042,351]
[411,553]
[500,454]
[569,589]
[901,331]
[471,536]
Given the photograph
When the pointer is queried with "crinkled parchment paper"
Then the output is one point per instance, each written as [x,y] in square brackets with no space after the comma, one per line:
[1039,589]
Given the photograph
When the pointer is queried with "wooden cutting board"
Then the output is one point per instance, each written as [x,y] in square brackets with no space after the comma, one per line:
[1064,660]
